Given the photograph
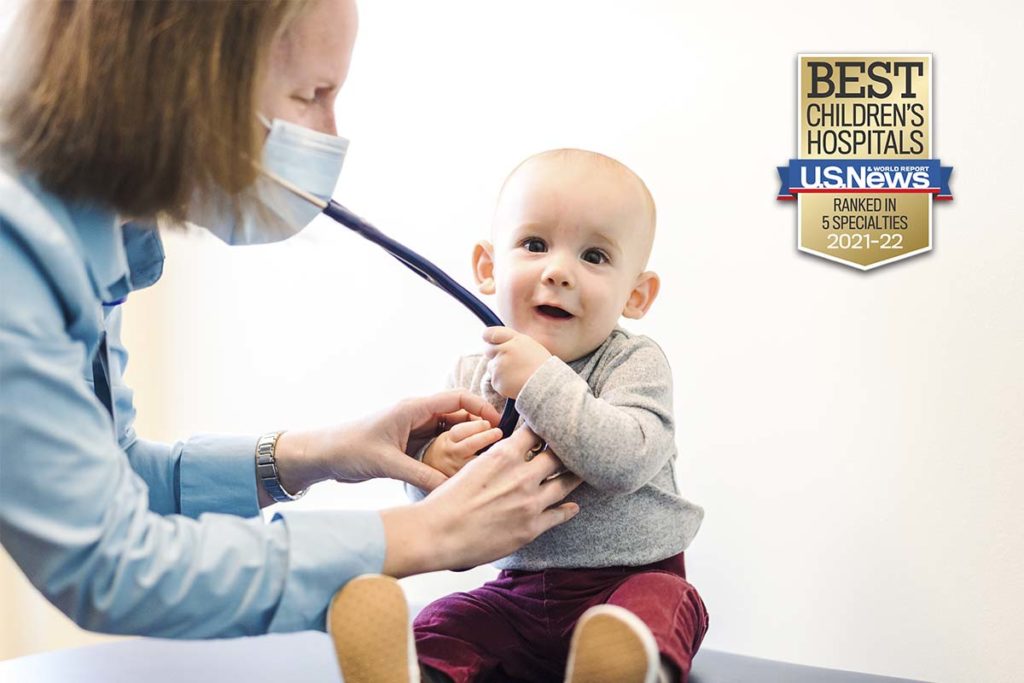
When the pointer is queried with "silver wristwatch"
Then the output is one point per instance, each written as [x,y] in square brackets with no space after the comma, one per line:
[266,469]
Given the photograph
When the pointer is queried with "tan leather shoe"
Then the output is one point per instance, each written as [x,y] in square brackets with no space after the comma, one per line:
[612,645]
[368,620]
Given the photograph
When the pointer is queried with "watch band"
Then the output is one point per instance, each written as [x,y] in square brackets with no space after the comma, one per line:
[266,469]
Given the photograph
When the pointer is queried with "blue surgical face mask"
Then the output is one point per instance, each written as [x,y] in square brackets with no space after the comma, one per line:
[266,211]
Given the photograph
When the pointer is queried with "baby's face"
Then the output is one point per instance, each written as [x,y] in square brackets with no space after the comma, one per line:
[571,243]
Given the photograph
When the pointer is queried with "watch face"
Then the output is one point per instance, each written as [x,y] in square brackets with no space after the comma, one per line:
[266,469]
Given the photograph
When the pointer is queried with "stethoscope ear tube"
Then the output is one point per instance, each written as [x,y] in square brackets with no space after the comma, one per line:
[432,274]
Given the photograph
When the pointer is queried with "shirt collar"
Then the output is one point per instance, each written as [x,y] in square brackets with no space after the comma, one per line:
[100,235]
[118,257]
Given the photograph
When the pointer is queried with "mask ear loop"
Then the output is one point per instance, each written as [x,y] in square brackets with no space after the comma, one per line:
[416,263]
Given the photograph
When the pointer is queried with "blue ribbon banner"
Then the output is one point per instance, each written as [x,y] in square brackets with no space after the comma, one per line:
[865,175]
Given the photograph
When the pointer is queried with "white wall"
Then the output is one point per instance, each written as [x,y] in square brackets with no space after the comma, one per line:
[856,439]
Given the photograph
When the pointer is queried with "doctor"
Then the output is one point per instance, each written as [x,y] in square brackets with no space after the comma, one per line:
[123,112]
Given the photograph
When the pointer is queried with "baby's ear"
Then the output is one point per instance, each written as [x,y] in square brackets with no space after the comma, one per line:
[643,295]
[483,266]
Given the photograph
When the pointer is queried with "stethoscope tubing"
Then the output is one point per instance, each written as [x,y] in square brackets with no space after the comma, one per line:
[432,274]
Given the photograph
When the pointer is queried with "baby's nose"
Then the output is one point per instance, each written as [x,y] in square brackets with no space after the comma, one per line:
[558,275]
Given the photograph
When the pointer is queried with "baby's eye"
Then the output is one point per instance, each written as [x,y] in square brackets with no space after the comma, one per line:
[595,256]
[535,245]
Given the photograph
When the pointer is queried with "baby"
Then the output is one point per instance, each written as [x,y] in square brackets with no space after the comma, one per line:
[572,233]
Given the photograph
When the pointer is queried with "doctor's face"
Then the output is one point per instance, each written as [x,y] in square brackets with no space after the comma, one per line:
[308,65]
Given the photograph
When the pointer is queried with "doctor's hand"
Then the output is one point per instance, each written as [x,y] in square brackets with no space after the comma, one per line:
[500,501]
[376,446]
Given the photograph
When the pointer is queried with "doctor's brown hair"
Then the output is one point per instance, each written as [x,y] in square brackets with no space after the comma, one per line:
[138,105]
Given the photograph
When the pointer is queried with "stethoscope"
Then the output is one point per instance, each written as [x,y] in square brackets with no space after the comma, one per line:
[417,264]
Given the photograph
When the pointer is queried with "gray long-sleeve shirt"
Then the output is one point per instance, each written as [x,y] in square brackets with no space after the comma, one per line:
[608,417]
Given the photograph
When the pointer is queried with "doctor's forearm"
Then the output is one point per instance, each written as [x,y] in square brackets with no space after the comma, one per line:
[296,470]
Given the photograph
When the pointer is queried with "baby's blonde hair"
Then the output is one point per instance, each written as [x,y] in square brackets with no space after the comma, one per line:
[584,156]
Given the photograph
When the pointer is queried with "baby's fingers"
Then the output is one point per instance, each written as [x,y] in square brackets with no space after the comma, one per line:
[472,445]
[498,335]
[466,429]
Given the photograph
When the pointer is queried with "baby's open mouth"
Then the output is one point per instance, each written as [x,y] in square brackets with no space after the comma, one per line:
[554,312]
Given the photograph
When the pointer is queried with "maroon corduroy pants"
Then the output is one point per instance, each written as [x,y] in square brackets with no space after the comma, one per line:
[517,627]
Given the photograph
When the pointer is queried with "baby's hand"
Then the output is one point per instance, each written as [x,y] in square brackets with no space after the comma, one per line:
[454,448]
[514,357]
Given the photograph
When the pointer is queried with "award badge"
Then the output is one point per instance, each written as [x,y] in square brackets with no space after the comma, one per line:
[864,178]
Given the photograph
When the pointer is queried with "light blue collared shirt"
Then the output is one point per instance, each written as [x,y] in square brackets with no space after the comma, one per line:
[126,535]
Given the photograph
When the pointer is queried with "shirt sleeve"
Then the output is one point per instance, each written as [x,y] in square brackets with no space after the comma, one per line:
[76,516]
[616,441]
[206,473]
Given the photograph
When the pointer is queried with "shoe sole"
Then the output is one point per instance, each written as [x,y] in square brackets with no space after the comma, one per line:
[368,620]
[612,645]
